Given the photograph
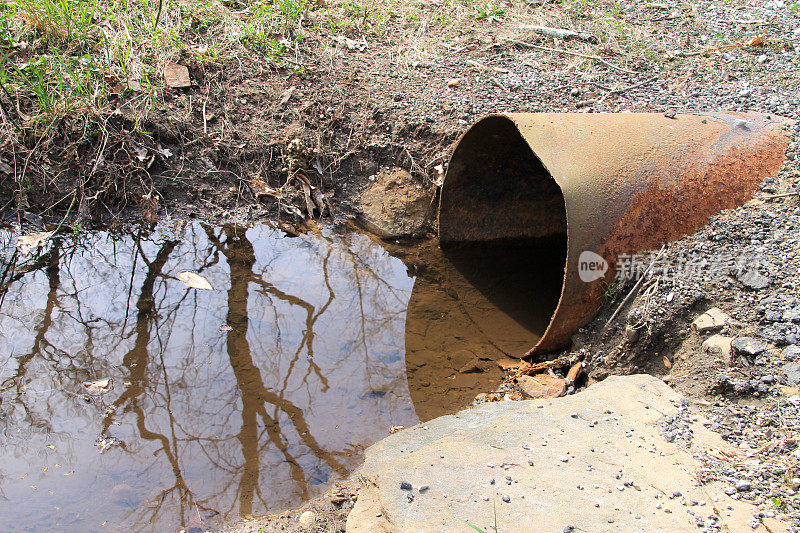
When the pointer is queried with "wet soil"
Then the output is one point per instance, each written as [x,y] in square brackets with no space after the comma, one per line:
[131,401]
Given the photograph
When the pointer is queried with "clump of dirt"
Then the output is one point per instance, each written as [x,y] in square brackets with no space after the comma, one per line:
[326,514]
[394,205]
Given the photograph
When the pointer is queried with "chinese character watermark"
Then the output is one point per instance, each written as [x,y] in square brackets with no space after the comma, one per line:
[592,266]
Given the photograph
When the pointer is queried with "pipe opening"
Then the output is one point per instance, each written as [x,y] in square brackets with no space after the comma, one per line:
[503,223]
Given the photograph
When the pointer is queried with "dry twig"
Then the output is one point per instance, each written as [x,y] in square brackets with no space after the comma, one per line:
[570,53]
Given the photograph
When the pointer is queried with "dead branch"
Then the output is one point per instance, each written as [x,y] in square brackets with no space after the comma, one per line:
[570,53]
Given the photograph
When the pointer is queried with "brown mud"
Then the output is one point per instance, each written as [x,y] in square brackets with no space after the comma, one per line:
[229,148]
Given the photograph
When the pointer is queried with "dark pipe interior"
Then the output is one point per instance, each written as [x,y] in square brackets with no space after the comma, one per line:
[503,223]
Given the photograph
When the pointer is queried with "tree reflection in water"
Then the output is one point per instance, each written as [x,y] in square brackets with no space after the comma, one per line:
[235,401]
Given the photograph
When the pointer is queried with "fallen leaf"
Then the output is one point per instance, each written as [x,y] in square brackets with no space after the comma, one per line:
[439,173]
[286,96]
[757,41]
[352,44]
[195,281]
[116,87]
[667,362]
[141,153]
[260,188]
[97,387]
[150,208]
[176,76]
[314,197]
[27,243]
[165,152]
[319,199]
[292,210]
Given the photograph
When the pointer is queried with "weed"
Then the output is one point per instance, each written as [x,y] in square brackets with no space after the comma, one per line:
[610,290]
[291,11]
[476,528]
[491,12]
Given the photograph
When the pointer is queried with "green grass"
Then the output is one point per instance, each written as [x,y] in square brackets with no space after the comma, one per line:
[610,290]
[61,57]
[490,12]
[479,530]
[64,56]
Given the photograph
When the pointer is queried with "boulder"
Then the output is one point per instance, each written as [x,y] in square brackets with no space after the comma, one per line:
[593,461]
[395,205]
[719,345]
[748,346]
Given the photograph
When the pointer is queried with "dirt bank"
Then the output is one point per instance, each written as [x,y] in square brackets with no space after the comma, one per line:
[351,100]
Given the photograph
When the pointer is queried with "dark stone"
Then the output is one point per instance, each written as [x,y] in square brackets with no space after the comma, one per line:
[753,280]
[791,353]
[792,371]
[748,346]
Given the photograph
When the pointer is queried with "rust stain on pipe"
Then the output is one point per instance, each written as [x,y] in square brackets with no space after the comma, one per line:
[611,184]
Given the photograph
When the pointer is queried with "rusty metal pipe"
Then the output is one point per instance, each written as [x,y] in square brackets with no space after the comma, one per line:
[610,184]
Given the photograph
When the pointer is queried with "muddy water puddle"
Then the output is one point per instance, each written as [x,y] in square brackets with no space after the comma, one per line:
[131,401]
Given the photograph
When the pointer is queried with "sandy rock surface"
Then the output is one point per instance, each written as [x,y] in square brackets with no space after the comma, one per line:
[621,456]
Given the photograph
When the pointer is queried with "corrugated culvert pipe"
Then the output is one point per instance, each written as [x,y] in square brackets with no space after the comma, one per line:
[568,186]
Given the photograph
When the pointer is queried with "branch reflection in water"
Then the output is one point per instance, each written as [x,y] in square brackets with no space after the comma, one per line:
[246,399]
[252,397]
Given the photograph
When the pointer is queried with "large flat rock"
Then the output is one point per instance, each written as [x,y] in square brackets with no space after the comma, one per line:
[598,461]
